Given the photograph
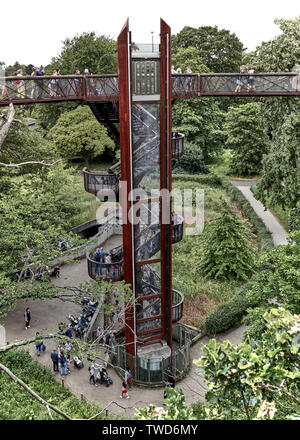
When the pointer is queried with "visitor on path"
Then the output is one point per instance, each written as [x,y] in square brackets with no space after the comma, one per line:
[239,81]
[124,394]
[68,362]
[128,377]
[69,331]
[189,81]
[63,363]
[77,82]
[33,84]
[107,338]
[54,357]
[92,374]
[167,385]
[251,86]
[39,344]
[21,85]
[27,317]
[100,334]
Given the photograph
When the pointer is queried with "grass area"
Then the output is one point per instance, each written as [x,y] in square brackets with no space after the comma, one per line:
[201,296]
[87,203]
[222,163]
[17,404]
[281,215]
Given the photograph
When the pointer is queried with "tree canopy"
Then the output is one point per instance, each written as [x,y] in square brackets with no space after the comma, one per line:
[247,136]
[219,49]
[79,133]
[98,54]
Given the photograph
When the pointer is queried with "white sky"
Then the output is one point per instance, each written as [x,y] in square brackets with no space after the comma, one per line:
[32,31]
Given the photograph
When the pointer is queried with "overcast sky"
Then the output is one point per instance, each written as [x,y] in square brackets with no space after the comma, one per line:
[32,31]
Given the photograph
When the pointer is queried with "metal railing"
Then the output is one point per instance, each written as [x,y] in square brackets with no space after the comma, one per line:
[105,271]
[101,88]
[95,181]
[177,145]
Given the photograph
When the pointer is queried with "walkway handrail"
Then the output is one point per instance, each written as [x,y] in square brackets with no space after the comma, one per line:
[100,88]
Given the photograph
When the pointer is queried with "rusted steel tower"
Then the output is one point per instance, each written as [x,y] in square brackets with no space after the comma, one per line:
[144,75]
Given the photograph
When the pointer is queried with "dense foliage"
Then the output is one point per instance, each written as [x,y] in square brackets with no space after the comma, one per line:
[17,404]
[79,133]
[228,252]
[254,376]
[219,49]
[246,136]
[191,162]
[98,54]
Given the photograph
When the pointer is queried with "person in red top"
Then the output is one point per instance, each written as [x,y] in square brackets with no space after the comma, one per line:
[124,391]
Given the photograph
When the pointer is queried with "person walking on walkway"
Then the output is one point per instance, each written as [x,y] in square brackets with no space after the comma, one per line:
[124,394]
[27,318]
[128,377]
[92,374]
[39,344]
[63,363]
[54,357]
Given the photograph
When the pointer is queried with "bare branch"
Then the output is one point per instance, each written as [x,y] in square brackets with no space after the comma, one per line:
[36,396]
[8,165]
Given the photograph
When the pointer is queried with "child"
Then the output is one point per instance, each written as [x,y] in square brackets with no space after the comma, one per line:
[124,391]
[68,363]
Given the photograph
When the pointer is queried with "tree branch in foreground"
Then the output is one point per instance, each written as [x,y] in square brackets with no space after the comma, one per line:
[36,396]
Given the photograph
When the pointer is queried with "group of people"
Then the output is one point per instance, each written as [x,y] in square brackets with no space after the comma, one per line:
[100,256]
[181,82]
[61,357]
[249,78]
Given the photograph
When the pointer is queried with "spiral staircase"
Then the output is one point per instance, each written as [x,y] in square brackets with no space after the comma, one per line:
[105,185]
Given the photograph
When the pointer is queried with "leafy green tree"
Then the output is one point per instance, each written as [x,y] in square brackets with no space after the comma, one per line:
[255,376]
[23,144]
[278,276]
[246,136]
[219,49]
[175,408]
[282,53]
[225,250]
[47,114]
[280,183]
[191,162]
[200,121]
[189,57]
[78,133]
[98,54]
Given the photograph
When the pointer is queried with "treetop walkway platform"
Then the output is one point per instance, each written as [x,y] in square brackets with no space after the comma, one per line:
[102,88]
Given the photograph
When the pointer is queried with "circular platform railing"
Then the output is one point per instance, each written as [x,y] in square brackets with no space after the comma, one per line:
[177,228]
[177,307]
[102,182]
[105,271]
[177,145]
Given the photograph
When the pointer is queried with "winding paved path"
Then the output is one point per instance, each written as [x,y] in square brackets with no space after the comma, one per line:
[278,232]
[45,314]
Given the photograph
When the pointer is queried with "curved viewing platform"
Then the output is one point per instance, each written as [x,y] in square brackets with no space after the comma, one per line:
[177,145]
[177,305]
[105,271]
[101,181]
[100,88]
[177,228]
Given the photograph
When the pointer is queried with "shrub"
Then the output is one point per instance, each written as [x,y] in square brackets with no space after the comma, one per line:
[227,315]
[191,162]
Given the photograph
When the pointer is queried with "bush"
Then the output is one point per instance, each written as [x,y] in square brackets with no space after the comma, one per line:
[191,162]
[227,315]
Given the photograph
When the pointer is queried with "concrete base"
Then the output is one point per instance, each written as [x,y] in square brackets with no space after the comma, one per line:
[155,351]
